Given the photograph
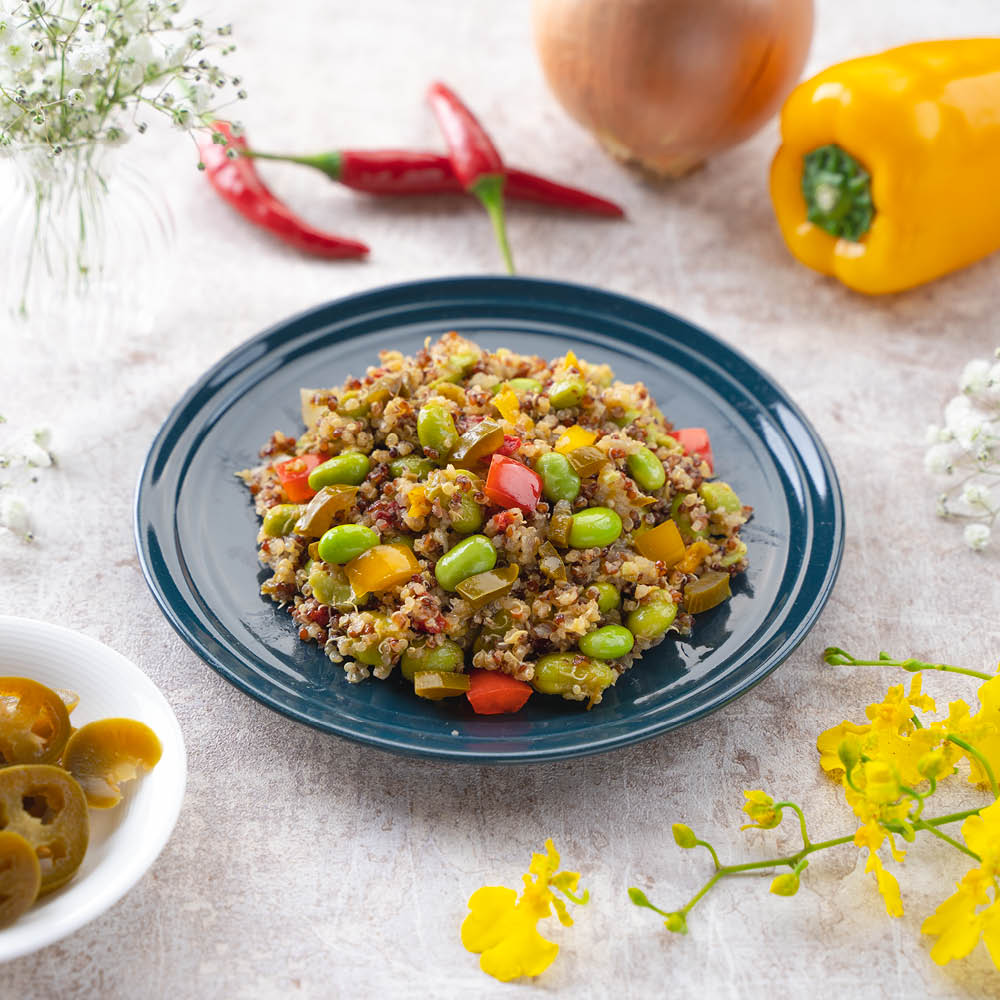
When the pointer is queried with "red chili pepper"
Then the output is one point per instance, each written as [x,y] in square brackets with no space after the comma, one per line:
[477,163]
[511,484]
[238,182]
[405,172]
[294,476]
[695,441]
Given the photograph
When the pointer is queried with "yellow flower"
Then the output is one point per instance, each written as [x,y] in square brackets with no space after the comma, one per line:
[830,739]
[503,928]
[982,730]
[958,923]
[759,806]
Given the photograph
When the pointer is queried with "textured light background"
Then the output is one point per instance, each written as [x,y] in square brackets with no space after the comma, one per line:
[303,865]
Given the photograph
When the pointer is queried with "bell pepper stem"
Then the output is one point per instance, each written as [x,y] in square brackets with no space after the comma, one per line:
[837,192]
[489,190]
[330,164]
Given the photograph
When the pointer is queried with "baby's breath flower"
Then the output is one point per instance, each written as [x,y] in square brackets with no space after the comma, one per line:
[14,517]
[965,449]
[977,536]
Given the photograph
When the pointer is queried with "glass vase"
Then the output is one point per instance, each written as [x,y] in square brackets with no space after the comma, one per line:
[85,246]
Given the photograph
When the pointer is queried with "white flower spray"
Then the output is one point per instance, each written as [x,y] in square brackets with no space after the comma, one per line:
[20,461]
[964,452]
[76,74]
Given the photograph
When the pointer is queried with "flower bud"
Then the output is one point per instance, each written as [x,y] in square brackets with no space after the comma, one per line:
[849,752]
[932,764]
[786,884]
[684,836]
[676,923]
[759,806]
[881,785]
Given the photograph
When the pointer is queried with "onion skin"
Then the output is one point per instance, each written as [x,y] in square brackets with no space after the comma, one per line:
[668,83]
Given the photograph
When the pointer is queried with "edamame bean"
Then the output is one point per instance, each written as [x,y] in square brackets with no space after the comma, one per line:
[720,496]
[520,385]
[436,429]
[345,542]
[567,392]
[349,468]
[559,481]
[608,643]
[651,621]
[608,597]
[473,555]
[594,527]
[467,515]
[415,465]
[447,657]
[646,469]
[281,518]
[371,655]
[560,673]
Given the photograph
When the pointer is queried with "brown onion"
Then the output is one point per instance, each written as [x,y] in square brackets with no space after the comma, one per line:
[667,83]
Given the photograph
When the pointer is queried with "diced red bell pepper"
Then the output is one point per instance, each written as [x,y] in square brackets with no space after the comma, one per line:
[511,442]
[294,476]
[694,441]
[493,693]
[511,484]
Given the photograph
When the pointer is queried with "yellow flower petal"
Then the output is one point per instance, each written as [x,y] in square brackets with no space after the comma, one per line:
[522,953]
[830,739]
[991,932]
[887,886]
[956,925]
[491,912]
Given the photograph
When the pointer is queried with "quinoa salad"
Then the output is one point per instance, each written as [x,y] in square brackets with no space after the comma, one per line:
[492,524]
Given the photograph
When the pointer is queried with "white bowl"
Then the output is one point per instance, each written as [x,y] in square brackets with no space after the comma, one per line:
[125,840]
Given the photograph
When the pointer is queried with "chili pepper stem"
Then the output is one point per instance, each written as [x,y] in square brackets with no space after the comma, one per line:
[489,190]
[330,163]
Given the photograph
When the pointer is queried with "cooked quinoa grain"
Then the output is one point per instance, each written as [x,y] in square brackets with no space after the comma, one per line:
[452,438]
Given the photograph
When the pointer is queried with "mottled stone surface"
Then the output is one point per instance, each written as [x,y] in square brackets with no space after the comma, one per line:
[307,866]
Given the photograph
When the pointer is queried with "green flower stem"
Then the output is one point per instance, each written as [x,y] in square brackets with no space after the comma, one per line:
[796,861]
[920,825]
[711,850]
[802,819]
[969,748]
[839,658]
[330,164]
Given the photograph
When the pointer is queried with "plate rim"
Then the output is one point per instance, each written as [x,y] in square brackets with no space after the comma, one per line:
[460,289]
[137,863]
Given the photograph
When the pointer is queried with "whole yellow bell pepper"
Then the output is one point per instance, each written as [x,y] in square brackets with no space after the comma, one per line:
[889,170]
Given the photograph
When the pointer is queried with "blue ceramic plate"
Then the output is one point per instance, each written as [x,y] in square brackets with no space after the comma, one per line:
[195,526]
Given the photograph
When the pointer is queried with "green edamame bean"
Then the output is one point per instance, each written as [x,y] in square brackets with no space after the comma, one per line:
[415,465]
[345,542]
[448,657]
[608,643]
[436,429]
[646,469]
[594,527]
[473,555]
[683,520]
[651,621]
[349,468]
[567,392]
[720,496]
[559,479]
[330,586]
[560,673]
[467,517]
[520,385]
[608,597]
[281,518]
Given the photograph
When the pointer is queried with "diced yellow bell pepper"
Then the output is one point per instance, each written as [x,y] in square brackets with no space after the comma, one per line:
[573,438]
[694,556]
[381,567]
[661,544]
[506,402]
[419,504]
